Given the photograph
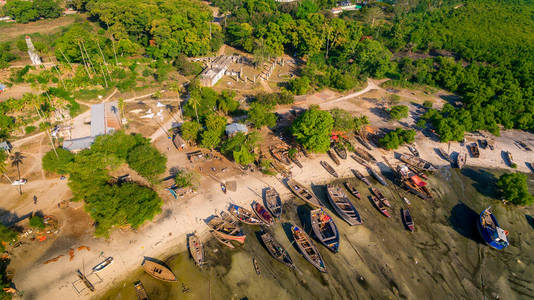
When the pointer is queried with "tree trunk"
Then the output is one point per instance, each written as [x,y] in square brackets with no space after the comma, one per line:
[20,185]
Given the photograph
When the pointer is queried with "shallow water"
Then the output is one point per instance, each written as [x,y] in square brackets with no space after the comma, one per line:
[443,259]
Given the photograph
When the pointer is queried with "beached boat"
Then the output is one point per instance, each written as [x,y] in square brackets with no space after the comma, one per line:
[263,213]
[380,206]
[461,159]
[376,176]
[256,266]
[273,202]
[333,157]
[444,154]
[417,163]
[340,150]
[85,281]
[365,155]
[325,229]
[491,144]
[303,193]
[361,177]
[473,148]
[380,197]
[412,149]
[220,238]
[364,142]
[101,266]
[491,233]
[407,219]
[278,154]
[329,168]
[295,160]
[223,187]
[483,143]
[244,215]
[509,157]
[196,249]
[226,230]
[276,250]
[228,217]
[412,182]
[140,291]
[307,248]
[359,160]
[352,189]
[158,270]
[342,205]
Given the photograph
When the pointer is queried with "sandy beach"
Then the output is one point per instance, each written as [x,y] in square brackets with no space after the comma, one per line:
[167,232]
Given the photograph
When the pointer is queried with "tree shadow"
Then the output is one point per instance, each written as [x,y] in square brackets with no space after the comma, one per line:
[430,135]
[463,220]
[484,181]
[530,165]
[453,100]
[530,220]
[303,214]
[10,219]
[320,193]
[379,113]
[386,171]
[454,158]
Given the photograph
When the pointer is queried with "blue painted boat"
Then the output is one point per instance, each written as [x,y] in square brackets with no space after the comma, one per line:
[491,233]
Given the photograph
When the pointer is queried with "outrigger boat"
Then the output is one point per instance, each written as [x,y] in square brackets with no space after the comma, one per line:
[158,270]
[226,231]
[303,193]
[325,229]
[380,197]
[101,266]
[244,215]
[413,183]
[377,176]
[333,157]
[307,248]
[417,163]
[473,148]
[340,150]
[361,177]
[276,250]
[407,219]
[413,150]
[461,160]
[273,202]
[140,291]
[342,205]
[352,189]
[365,155]
[196,249]
[380,206]
[263,213]
[85,281]
[329,168]
[491,233]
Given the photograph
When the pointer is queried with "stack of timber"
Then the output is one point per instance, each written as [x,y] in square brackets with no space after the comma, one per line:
[365,155]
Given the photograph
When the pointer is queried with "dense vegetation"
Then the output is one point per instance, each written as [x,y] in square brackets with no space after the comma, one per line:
[398,112]
[313,129]
[109,203]
[397,137]
[514,188]
[242,147]
[27,11]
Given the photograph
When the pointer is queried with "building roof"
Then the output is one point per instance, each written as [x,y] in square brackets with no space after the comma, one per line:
[104,118]
[5,145]
[79,144]
[235,128]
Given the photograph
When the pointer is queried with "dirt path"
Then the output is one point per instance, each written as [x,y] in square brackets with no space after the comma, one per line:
[371,85]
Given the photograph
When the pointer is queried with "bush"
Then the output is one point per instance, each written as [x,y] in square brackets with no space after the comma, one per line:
[147,161]
[37,222]
[186,178]
[29,129]
[185,67]
[398,112]
[300,85]
[313,128]
[6,236]
[260,115]
[513,166]
[421,123]
[396,138]
[273,99]
[514,188]
[58,164]
[428,104]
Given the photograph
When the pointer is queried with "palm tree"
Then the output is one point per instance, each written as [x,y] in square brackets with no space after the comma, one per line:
[16,160]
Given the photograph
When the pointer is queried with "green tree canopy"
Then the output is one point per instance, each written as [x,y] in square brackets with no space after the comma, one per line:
[396,138]
[37,222]
[398,112]
[313,128]
[58,164]
[147,161]
[191,130]
[260,115]
[514,188]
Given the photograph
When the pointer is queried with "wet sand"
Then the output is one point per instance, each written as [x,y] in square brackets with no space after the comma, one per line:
[443,259]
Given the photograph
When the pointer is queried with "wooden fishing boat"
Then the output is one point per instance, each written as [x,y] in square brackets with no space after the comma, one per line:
[263,213]
[352,189]
[325,229]
[256,266]
[473,148]
[276,250]
[227,230]
[509,157]
[407,219]
[223,188]
[359,160]
[101,266]
[444,154]
[333,157]
[363,142]
[158,270]
[365,155]
[483,143]
[307,248]
[361,177]
[377,176]
[413,183]
[85,281]
[295,160]
[413,150]
[244,215]
[219,237]
[490,231]
[417,163]
[380,197]
[273,202]
[140,291]
[342,205]
[196,249]
[491,144]
[303,193]
[329,168]
[278,155]
[461,160]
[340,150]
[380,206]
[227,217]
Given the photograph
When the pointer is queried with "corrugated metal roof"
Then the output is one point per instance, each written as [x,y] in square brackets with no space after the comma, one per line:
[236,127]
[79,144]
[98,119]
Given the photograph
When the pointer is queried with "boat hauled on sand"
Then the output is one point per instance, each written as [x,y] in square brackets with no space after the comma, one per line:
[413,183]
[307,248]
[273,202]
[244,215]
[225,231]
[300,191]
[342,205]
[325,229]
[329,168]
[361,177]
[333,157]
[158,270]
[340,150]
[380,197]
[417,163]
